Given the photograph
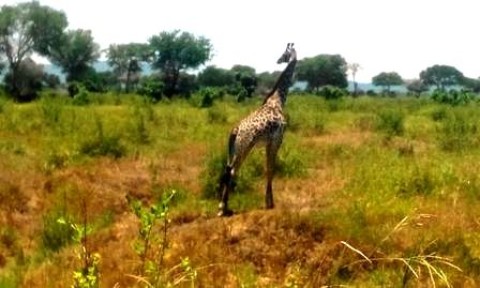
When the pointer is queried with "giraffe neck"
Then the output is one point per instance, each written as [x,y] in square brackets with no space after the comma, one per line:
[283,83]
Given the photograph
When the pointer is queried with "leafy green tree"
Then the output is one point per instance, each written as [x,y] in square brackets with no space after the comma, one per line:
[387,80]
[472,84]
[51,80]
[243,70]
[76,54]
[125,59]
[212,76]
[175,52]
[28,82]
[26,28]
[417,87]
[246,81]
[266,81]
[441,76]
[323,70]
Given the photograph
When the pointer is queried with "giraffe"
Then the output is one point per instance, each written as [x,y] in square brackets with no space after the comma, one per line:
[267,125]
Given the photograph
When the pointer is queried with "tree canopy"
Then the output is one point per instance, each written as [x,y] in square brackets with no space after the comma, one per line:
[441,76]
[76,54]
[387,79]
[125,59]
[213,76]
[417,87]
[26,28]
[323,70]
[176,52]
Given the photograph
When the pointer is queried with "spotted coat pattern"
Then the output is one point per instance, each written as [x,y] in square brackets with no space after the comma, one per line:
[265,125]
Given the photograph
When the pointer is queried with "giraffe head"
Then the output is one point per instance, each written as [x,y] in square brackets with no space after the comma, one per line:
[289,54]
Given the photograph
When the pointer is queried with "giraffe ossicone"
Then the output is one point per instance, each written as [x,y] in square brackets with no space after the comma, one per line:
[264,125]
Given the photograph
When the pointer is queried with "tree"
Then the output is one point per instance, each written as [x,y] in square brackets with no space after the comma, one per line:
[76,54]
[28,82]
[125,59]
[386,80]
[267,80]
[441,76]
[212,76]
[353,68]
[323,70]
[24,29]
[417,87]
[472,84]
[246,81]
[176,52]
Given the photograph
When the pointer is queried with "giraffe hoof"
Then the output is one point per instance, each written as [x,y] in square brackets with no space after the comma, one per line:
[225,213]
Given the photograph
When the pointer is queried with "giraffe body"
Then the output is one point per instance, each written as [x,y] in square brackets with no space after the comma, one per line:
[265,125]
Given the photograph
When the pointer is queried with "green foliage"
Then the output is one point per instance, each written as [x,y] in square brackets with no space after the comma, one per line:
[291,162]
[441,76]
[82,98]
[152,262]
[152,86]
[178,51]
[209,95]
[25,81]
[387,79]
[75,54]
[391,122]
[25,28]
[212,76]
[215,167]
[87,276]
[323,70]
[125,59]
[332,92]
[457,133]
[217,115]
[101,144]
[55,234]
[417,87]
[453,97]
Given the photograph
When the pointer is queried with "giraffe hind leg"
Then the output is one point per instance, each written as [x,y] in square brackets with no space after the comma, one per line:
[226,186]
[227,183]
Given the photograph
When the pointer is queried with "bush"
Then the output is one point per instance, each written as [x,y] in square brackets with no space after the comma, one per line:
[103,145]
[55,234]
[332,92]
[453,97]
[391,122]
[209,95]
[151,86]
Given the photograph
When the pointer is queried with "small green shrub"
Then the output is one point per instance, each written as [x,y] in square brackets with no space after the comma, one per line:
[82,98]
[332,92]
[391,122]
[453,97]
[55,234]
[103,145]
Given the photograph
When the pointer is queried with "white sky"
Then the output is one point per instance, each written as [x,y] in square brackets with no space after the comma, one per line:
[404,36]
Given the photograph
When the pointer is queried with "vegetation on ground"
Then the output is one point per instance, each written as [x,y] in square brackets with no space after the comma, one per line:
[370,191]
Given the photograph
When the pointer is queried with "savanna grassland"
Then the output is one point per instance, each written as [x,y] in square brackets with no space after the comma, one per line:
[370,192]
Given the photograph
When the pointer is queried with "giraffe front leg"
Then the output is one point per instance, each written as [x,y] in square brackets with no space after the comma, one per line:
[271,157]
